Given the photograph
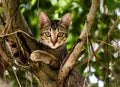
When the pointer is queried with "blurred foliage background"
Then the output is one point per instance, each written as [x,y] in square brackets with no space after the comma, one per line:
[94,72]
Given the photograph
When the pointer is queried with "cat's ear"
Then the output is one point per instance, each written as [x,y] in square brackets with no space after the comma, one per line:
[66,19]
[43,19]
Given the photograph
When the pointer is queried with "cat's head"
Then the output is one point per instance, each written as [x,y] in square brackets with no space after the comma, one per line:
[54,33]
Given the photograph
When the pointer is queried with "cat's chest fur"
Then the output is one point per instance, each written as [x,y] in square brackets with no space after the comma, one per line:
[60,52]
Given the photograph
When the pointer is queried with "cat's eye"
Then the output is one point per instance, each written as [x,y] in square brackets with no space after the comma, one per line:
[47,34]
[60,34]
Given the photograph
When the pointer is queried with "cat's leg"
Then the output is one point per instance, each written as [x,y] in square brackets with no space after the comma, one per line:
[45,57]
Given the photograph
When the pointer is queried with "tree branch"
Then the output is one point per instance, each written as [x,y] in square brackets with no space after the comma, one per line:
[101,43]
[72,58]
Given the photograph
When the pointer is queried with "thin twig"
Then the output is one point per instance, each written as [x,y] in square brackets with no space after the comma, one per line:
[15,33]
[103,65]
[113,27]
[96,56]
[16,77]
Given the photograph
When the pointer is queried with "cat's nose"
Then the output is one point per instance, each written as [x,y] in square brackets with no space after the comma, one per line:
[54,41]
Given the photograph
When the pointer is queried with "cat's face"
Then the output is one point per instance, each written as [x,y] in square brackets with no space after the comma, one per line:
[54,33]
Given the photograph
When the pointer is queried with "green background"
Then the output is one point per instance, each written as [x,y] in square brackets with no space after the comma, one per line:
[94,71]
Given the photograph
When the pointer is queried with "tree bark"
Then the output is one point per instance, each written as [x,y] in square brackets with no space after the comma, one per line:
[14,18]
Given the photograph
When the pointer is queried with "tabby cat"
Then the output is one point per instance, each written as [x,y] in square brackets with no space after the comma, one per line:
[54,34]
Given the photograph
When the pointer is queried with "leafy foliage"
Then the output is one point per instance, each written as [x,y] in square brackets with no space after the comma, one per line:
[106,67]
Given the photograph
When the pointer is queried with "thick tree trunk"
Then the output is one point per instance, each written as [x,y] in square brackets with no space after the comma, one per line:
[14,18]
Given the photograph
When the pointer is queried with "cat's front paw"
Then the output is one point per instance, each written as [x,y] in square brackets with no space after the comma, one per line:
[42,56]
